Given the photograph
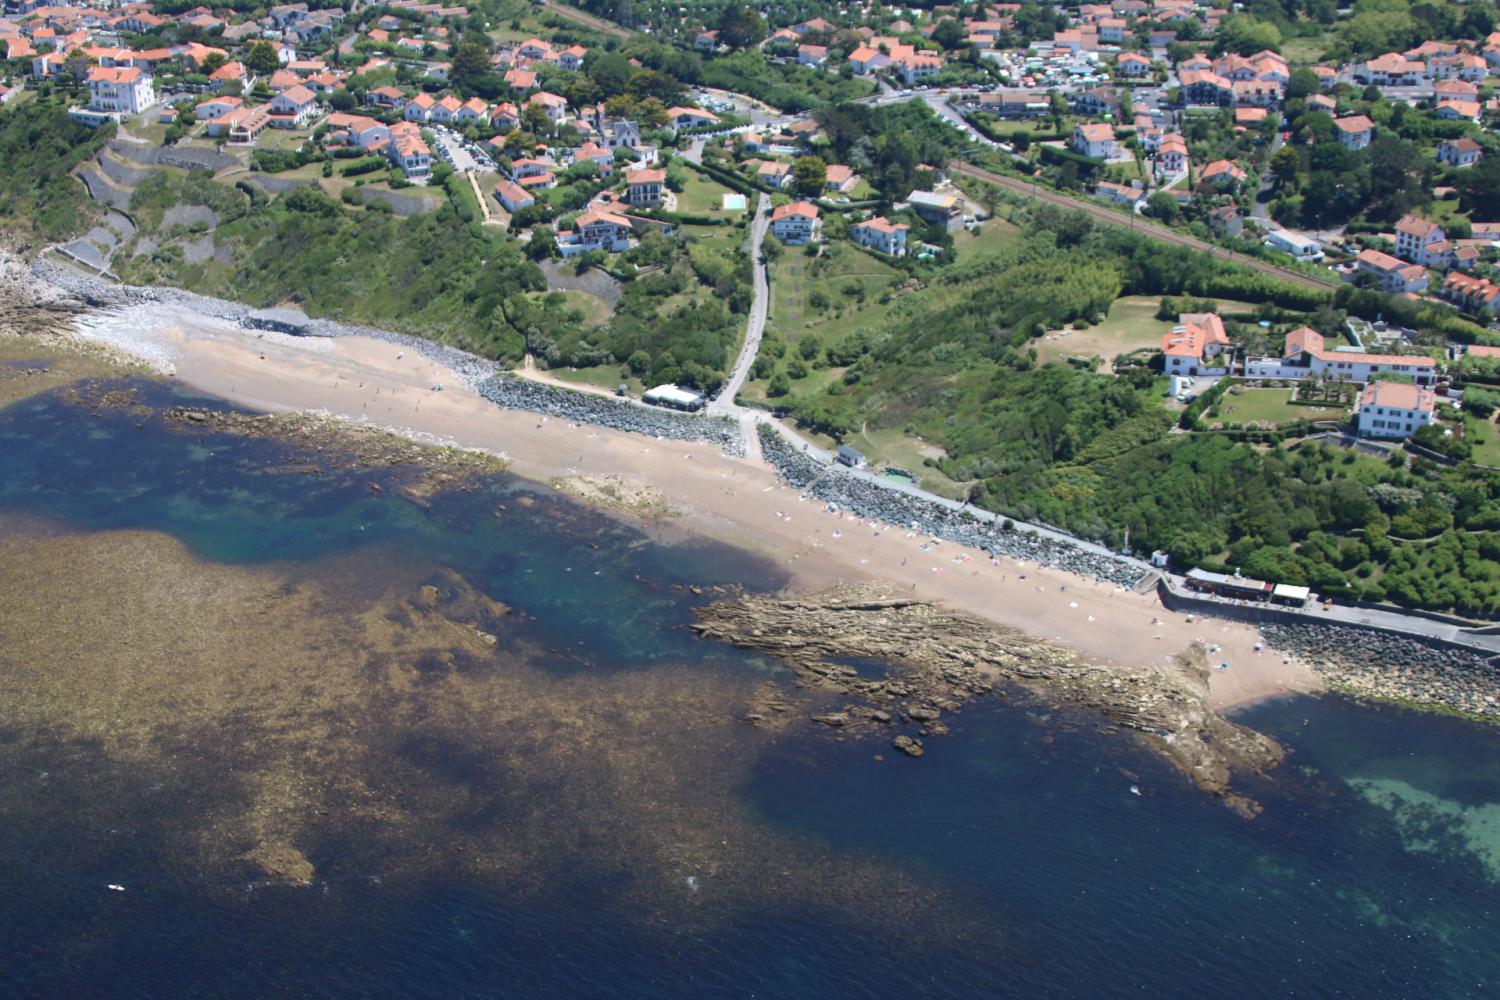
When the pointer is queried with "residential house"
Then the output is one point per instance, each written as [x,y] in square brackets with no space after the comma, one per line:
[645,187]
[1096,140]
[1172,154]
[120,90]
[571,58]
[533,48]
[1422,242]
[556,107]
[939,209]
[840,179]
[520,80]
[1391,274]
[386,97]
[1205,87]
[472,110]
[360,130]
[1479,296]
[215,107]
[881,234]
[1096,102]
[1222,174]
[231,78]
[1306,356]
[691,117]
[796,224]
[1120,194]
[1133,65]
[407,150]
[293,108]
[419,108]
[778,175]
[1457,109]
[513,196]
[532,173]
[812,55]
[1463,152]
[864,60]
[1354,132]
[1390,70]
[595,229]
[445,110]
[914,68]
[1193,346]
[505,116]
[1394,410]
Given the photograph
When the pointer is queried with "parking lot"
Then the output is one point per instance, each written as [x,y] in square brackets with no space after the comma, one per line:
[459,153]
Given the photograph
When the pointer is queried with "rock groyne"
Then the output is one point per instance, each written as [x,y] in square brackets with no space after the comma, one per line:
[869,498]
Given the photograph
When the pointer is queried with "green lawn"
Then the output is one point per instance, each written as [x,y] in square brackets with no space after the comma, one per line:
[1485,437]
[1270,405]
[993,234]
[701,196]
[605,376]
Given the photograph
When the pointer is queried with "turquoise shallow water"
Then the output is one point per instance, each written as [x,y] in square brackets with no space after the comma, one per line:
[1373,872]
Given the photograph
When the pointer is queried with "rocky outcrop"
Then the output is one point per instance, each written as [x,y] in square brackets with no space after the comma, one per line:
[941,659]
[619,492]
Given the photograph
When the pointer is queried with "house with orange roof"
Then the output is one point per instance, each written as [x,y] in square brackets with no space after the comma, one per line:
[881,234]
[472,110]
[1354,132]
[513,196]
[645,186]
[520,79]
[1463,152]
[1172,154]
[232,78]
[1480,296]
[419,108]
[1132,64]
[1391,273]
[445,110]
[556,107]
[796,224]
[1394,410]
[1457,109]
[293,108]
[1194,345]
[1421,241]
[571,58]
[1222,174]
[1095,139]
[596,228]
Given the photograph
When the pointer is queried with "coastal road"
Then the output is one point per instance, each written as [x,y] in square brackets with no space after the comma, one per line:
[1101,214]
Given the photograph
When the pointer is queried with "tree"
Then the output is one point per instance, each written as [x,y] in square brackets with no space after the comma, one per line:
[1302,83]
[1163,206]
[543,243]
[341,100]
[741,27]
[809,174]
[212,62]
[1285,165]
[261,59]
[1245,35]
[1479,188]
[470,63]
[949,34]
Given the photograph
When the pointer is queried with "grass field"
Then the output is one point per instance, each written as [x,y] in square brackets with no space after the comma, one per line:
[594,309]
[1485,437]
[1131,324]
[992,235]
[1271,406]
[701,196]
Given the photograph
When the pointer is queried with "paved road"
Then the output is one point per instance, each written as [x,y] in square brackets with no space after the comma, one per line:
[1262,207]
[1165,235]
[760,307]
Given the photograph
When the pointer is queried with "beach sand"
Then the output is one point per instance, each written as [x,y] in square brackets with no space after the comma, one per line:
[733,500]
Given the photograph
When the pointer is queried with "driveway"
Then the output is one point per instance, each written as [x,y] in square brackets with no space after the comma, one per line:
[459,157]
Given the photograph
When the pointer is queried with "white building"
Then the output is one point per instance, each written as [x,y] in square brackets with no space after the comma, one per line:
[1300,247]
[1194,346]
[881,234]
[796,224]
[1394,410]
[1096,140]
[120,90]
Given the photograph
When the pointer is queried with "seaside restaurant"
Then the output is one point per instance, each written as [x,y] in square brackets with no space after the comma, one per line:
[1235,587]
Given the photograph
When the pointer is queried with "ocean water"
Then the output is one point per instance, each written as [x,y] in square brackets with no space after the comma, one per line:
[1028,854]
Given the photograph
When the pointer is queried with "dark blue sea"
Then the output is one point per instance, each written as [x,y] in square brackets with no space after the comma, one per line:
[584,815]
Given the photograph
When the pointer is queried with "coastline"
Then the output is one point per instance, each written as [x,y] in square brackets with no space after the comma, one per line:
[368,381]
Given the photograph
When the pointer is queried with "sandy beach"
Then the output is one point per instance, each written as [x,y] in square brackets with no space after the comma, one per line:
[734,500]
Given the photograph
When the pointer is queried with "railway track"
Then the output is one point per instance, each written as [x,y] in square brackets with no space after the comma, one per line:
[586,19]
[1161,233]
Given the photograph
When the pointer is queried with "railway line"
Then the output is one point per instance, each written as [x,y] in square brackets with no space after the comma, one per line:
[1163,234]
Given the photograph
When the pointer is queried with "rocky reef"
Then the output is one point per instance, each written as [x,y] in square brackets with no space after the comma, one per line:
[941,659]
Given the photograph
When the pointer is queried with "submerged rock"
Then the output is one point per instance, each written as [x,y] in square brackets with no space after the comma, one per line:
[908,745]
[282,862]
